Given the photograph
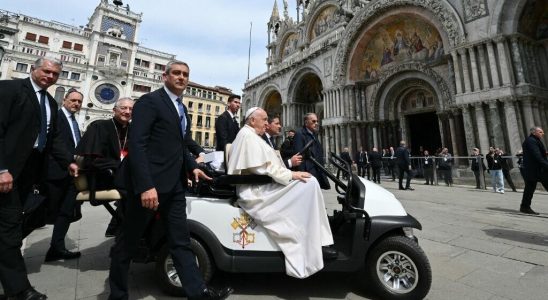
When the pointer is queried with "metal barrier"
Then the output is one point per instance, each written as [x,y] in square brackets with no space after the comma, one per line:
[458,169]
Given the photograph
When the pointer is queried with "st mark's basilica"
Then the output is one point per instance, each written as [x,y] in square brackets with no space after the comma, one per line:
[453,73]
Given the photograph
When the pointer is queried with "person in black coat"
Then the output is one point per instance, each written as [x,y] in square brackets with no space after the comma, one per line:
[305,134]
[61,192]
[25,140]
[506,167]
[403,162]
[375,159]
[287,149]
[107,143]
[345,155]
[362,162]
[156,178]
[477,162]
[270,136]
[428,168]
[535,167]
[226,126]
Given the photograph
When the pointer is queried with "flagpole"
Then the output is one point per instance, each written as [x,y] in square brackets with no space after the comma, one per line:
[249,51]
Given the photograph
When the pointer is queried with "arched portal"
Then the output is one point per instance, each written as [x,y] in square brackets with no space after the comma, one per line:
[273,103]
[307,97]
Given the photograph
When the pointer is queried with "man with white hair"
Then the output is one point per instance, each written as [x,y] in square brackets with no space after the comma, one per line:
[291,208]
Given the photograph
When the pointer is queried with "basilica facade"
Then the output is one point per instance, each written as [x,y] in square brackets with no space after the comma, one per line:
[452,73]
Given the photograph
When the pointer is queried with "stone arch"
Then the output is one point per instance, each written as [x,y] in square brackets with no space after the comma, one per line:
[297,76]
[440,13]
[316,14]
[266,91]
[412,71]
[283,49]
[503,19]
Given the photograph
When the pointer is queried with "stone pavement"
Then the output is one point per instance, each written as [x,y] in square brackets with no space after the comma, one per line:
[479,246]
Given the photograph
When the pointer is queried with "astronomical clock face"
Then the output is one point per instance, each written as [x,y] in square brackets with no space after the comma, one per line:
[107,93]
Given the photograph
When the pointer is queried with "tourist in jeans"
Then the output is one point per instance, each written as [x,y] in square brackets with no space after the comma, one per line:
[494,162]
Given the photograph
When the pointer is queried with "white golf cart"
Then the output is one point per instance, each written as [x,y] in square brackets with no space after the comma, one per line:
[372,233]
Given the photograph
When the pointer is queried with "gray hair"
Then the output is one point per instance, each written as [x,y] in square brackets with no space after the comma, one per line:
[307,115]
[175,62]
[73,90]
[123,99]
[534,129]
[39,62]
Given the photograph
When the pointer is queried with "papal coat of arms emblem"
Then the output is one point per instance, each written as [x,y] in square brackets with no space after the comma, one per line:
[243,225]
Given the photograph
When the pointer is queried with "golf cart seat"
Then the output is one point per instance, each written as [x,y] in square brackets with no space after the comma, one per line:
[85,185]
[224,185]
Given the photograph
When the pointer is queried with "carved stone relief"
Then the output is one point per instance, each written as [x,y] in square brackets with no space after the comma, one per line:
[474,9]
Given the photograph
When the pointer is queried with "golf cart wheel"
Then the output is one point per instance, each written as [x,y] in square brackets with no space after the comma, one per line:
[398,269]
[165,268]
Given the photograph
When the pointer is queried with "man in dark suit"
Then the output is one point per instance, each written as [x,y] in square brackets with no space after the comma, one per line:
[157,167]
[307,133]
[287,149]
[375,159]
[107,140]
[535,168]
[61,192]
[428,168]
[273,129]
[226,126]
[403,161]
[345,155]
[362,162]
[28,132]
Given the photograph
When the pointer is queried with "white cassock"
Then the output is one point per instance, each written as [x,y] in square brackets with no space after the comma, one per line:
[293,212]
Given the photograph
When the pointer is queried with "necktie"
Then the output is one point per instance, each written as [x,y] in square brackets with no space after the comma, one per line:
[43,122]
[182,115]
[76,130]
[273,142]
[235,121]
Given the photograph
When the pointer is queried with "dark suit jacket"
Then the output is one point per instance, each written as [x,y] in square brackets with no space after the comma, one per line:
[535,163]
[157,158]
[101,139]
[55,171]
[402,158]
[375,159]
[365,158]
[225,130]
[346,157]
[20,125]
[302,137]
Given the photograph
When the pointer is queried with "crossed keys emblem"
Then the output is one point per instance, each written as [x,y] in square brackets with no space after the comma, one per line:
[243,237]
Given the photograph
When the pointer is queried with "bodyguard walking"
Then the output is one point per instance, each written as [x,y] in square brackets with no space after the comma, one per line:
[535,167]
[403,161]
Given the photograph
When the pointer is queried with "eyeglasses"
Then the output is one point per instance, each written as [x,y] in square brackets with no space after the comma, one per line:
[313,121]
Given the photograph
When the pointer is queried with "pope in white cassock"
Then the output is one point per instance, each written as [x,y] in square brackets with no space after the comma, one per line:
[291,209]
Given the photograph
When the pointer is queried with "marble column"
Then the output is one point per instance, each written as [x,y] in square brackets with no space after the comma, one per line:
[536,113]
[458,73]
[358,133]
[505,66]
[527,111]
[483,68]
[325,105]
[483,135]
[326,143]
[453,131]
[474,69]
[511,126]
[403,126]
[496,125]
[349,139]
[517,58]
[375,138]
[441,125]
[465,71]
[493,65]
[468,129]
[535,63]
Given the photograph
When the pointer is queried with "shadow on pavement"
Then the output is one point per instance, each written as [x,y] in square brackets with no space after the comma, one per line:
[518,236]
[516,212]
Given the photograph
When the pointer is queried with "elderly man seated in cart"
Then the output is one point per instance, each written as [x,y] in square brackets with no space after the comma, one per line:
[291,209]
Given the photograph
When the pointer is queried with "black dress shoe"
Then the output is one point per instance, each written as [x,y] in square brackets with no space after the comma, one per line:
[401,189]
[211,294]
[329,252]
[528,210]
[54,254]
[28,294]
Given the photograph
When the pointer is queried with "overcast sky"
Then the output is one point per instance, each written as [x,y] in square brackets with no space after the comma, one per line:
[211,35]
